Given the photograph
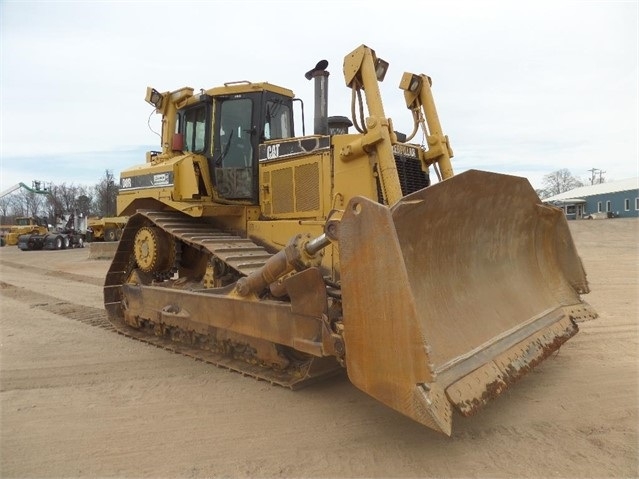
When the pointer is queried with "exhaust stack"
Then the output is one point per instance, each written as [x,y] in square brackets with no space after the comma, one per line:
[320,74]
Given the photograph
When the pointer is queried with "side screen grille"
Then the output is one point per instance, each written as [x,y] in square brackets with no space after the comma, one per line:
[307,187]
[296,189]
[282,190]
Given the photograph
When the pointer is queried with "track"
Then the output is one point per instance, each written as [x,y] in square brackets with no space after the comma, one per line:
[241,254]
[244,257]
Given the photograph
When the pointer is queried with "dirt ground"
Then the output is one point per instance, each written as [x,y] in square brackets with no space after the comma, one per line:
[78,400]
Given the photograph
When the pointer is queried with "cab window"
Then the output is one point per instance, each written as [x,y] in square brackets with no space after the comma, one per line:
[194,121]
[277,124]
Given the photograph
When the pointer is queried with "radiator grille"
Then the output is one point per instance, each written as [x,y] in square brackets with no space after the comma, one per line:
[411,177]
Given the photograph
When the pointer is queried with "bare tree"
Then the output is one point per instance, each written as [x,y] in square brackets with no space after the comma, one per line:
[558,182]
[34,203]
[54,200]
[5,210]
[106,193]
[84,200]
[17,204]
[68,195]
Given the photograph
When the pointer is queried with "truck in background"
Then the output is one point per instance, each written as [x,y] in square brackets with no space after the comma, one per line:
[69,232]
[23,226]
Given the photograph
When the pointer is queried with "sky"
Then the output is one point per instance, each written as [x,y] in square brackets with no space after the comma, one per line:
[521,87]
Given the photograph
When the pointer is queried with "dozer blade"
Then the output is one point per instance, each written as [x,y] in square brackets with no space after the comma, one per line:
[455,292]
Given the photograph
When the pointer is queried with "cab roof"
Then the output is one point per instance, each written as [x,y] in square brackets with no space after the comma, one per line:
[248,87]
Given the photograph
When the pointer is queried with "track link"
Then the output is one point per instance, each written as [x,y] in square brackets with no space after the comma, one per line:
[241,254]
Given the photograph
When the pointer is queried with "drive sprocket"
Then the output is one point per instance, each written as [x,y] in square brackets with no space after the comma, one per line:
[154,250]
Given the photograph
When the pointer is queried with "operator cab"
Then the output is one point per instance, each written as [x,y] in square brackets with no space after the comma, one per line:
[227,125]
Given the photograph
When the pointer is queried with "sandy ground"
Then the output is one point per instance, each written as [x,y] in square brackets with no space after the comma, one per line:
[78,400]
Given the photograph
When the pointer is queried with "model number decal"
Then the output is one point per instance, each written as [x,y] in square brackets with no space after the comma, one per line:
[151,180]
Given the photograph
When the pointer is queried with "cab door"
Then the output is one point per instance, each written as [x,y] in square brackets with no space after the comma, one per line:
[234,146]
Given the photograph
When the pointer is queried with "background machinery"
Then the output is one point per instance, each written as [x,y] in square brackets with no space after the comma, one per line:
[34,233]
[23,225]
[9,234]
[105,228]
[291,258]
[69,232]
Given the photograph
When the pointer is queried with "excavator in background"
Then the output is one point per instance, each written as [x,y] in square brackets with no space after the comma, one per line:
[292,258]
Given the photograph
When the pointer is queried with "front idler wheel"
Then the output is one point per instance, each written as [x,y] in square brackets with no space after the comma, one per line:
[154,251]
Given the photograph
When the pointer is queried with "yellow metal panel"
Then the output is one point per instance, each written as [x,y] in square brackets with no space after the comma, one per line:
[276,234]
[352,177]
[186,181]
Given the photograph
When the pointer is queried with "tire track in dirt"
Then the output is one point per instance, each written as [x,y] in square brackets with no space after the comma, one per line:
[77,312]
[79,278]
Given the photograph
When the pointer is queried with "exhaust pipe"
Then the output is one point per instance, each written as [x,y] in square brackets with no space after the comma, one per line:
[321,96]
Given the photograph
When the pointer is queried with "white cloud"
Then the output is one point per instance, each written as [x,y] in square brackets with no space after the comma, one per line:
[521,87]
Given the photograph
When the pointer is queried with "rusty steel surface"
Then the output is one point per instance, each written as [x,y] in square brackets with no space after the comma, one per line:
[470,271]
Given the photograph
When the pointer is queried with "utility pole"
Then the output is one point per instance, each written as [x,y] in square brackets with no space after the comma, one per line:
[601,180]
[593,172]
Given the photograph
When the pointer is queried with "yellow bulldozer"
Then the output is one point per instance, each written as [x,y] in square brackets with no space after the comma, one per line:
[292,258]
